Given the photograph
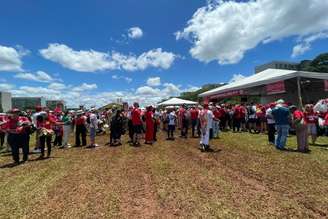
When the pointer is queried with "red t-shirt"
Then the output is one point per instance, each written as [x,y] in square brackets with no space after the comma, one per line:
[12,124]
[136,113]
[311,117]
[216,114]
[80,120]
[193,114]
[298,114]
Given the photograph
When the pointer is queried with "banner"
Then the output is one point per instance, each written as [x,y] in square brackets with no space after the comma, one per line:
[276,88]
[228,94]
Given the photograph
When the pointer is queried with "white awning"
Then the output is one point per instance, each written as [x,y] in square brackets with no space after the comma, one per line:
[265,77]
[177,102]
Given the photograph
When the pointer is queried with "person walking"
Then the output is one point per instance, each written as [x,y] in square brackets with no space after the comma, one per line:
[281,116]
[16,128]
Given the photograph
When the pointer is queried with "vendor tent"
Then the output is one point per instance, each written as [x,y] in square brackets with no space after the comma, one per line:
[268,76]
[272,84]
[177,102]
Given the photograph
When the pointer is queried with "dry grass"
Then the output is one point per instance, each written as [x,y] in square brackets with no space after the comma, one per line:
[242,178]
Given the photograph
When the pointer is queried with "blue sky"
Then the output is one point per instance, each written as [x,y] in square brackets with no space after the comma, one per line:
[181,50]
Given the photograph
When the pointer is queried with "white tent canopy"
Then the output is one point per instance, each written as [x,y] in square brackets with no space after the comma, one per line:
[177,102]
[265,77]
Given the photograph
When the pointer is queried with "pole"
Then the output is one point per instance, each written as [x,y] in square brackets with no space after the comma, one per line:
[299,93]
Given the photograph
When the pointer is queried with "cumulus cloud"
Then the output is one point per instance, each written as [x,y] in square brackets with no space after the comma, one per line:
[135,33]
[57,86]
[39,76]
[85,87]
[148,91]
[10,58]
[304,44]
[236,77]
[6,87]
[225,30]
[154,82]
[127,79]
[92,61]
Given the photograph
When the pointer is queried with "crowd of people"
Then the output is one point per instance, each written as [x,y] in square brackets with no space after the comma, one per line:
[53,128]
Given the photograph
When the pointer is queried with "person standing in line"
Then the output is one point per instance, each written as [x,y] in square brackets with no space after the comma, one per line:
[216,122]
[149,117]
[194,118]
[252,119]
[311,120]
[271,123]
[157,122]
[236,117]
[206,119]
[281,115]
[243,117]
[80,129]
[67,122]
[171,124]
[137,124]
[301,129]
[93,127]
[116,128]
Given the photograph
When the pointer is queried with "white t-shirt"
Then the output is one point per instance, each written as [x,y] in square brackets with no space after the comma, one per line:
[172,118]
[209,119]
[269,116]
[93,121]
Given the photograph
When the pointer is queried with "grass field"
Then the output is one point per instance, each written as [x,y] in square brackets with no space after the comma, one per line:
[243,177]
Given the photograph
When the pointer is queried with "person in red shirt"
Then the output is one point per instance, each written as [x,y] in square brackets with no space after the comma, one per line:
[3,120]
[311,120]
[17,129]
[216,121]
[80,129]
[149,136]
[45,125]
[137,124]
[300,128]
[236,118]
[194,119]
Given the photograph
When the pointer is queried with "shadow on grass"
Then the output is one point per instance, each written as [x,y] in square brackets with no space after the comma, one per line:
[319,145]
[9,165]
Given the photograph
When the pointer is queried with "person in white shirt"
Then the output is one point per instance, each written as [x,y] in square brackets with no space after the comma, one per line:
[206,120]
[93,127]
[171,124]
[271,124]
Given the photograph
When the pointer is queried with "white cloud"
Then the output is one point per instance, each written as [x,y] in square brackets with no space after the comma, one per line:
[135,33]
[85,87]
[57,86]
[225,30]
[148,91]
[39,76]
[236,77]
[92,61]
[154,82]
[305,44]
[171,89]
[127,79]
[10,58]
[6,87]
